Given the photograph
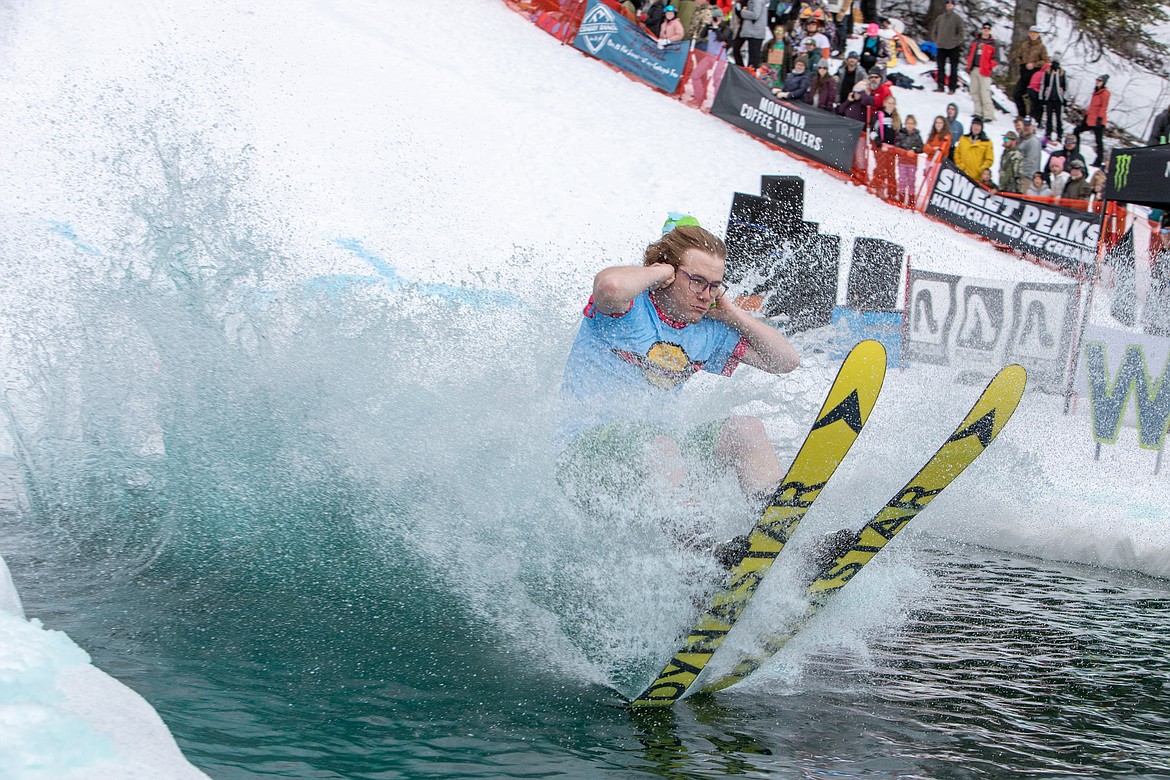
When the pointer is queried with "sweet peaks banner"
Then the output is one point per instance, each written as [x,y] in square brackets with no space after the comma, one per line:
[1064,237]
[748,104]
[611,37]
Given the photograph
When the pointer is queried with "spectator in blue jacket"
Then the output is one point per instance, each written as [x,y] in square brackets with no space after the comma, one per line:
[956,127]
[797,85]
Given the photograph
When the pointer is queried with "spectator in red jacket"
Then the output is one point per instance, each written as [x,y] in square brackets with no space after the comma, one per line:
[1032,93]
[982,58]
[1096,116]
[879,87]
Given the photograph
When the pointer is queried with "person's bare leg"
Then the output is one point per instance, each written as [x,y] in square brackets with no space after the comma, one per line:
[744,446]
[666,472]
[665,469]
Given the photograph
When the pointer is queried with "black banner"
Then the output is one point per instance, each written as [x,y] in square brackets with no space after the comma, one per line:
[1140,176]
[1064,237]
[747,103]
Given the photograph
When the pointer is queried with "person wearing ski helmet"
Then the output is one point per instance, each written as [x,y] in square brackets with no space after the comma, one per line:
[672,28]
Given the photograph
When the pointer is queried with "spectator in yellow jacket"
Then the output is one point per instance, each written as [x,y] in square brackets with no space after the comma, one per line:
[975,151]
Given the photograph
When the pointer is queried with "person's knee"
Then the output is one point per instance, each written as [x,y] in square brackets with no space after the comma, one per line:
[664,448]
[742,431]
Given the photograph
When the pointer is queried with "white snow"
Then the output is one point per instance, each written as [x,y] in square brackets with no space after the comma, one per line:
[453,157]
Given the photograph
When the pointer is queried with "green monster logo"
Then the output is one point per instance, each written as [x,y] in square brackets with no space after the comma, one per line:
[1121,172]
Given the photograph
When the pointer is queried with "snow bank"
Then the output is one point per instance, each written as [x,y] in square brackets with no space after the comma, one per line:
[61,718]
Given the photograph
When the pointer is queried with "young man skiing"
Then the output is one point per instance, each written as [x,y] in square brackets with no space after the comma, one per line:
[647,330]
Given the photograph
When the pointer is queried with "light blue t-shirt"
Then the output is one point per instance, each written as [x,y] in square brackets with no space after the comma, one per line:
[628,366]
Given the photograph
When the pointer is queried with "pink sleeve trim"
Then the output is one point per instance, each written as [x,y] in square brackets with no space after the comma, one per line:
[591,309]
[736,354]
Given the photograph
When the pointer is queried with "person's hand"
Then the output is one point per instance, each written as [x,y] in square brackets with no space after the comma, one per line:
[668,273]
[723,308]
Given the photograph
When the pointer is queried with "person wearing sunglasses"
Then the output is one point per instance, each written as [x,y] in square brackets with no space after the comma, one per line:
[646,330]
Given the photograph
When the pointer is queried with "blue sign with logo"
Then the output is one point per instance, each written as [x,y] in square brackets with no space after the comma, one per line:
[609,36]
[853,326]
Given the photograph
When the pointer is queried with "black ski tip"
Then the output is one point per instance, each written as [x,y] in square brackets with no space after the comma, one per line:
[849,410]
[983,429]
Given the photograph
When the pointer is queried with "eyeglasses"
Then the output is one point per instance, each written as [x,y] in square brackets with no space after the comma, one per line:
[698,284]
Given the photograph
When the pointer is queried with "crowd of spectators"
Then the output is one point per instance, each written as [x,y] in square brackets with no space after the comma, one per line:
[796,49]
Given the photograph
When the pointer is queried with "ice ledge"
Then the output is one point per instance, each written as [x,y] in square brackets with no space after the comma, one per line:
[63,718]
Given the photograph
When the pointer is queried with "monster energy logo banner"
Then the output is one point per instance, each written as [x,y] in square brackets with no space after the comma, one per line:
[969,322]
[1121,165]
[1118,367]
[1140,176]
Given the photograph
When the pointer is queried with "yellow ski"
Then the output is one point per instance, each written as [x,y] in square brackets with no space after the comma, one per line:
[847,407]
[978,429]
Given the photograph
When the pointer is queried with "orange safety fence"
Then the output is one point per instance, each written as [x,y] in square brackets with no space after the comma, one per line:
[558,18]
[701,79]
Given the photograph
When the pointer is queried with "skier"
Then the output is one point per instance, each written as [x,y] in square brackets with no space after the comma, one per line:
[646,330]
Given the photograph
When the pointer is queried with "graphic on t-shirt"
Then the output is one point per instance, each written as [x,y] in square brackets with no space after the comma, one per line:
[665,365]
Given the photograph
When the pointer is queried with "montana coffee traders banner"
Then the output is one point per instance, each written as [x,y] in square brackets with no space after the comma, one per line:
[611,37]
[1064,237]
[745,102]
